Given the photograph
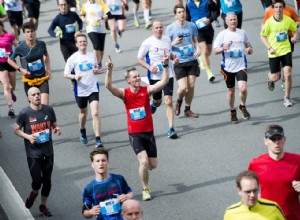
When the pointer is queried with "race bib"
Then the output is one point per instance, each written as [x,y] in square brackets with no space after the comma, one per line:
[200,23]
[186,50]
[94,23]
[110,207]
[235,53]
[70,28]
[43,136]
[11,4]
[159,66]
[2,52]
[35,66]
[85,66]
[137,113]
[281,36]
[114,7]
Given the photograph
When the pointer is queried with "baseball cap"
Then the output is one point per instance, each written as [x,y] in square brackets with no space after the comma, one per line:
[272,131]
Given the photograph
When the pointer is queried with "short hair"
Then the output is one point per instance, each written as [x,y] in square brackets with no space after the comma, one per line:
[96,151]
[126,74]
[278,1]
[178,6]
[28,25]
[231,13]
[250,175]
[79,34]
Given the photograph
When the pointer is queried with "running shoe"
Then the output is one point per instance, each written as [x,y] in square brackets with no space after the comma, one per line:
[283,84]
[210,75]
[30,200]
[172,133]
[13,96]
[234,119]
[153,108]
[211,79]
[137,22]
[117,48]
[11,113]
[83,138]
[190,114]
[244,112]
[271,84]
[98,144]
[287,102]
[148,24]
[45,212]
[177,107]
[146,195]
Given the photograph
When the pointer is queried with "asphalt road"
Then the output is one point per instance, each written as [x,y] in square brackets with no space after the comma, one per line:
[196,172]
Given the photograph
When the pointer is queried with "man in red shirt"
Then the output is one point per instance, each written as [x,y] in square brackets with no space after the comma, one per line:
[279,173]
[139,118]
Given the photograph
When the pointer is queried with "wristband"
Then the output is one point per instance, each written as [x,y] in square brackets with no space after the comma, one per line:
[19,69]
[165,65]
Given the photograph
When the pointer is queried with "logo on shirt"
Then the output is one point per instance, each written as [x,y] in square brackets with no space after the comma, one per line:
[31,120]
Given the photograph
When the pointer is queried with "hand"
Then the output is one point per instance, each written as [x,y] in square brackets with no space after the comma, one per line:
[296,185]
[153,69]
[95,210]
[178,40]
[122,198]
[48,73]
[272,51]
[126,7]
[57,131]
[227,45]
[249,50]
[293,39]
[109,63]
[31,138]
[197,53]
[57,34]
[166,57]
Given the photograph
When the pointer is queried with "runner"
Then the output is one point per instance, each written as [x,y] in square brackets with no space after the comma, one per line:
[146,11]
[35,62]
[152,49]
[86,87]
[139,118]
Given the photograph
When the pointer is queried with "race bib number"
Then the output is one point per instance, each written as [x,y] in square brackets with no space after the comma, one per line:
[281,36]
[70,28]
[2,52]
[11,4]
[43,136]
[137,113]
[230,3]
[114,8]
[110,207]
[200,23]
[186,50]
[85,66]
[235,53]
[35,66]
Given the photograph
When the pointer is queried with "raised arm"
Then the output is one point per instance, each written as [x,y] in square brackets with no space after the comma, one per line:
[165,77]
[118,92]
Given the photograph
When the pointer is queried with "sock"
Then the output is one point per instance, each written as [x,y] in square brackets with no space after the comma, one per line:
[187,108]
[83,131]
[135,14]
[232,111]
[98,138]
[146,15]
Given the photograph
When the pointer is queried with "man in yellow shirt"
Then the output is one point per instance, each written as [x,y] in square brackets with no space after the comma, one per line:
[252,207]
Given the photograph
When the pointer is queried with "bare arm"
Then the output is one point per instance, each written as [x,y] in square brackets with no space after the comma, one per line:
[47,64]
[267,45]
[197,47]
[22,134]
[165,77]
[118,92]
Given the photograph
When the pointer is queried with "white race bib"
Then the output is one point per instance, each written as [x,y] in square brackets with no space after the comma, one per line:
[186,50]
[35,66]
[110,207]
[281,36]
[70,28]
[42,136]
[200,23]
[137,113]
[2,52]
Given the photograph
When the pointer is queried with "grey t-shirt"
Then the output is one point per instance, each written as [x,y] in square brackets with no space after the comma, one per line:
[32,58]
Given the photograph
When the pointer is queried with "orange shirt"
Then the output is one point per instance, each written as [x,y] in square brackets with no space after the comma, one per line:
[288,11]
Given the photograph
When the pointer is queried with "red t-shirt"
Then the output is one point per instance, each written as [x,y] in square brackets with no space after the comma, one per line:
[276,178]
[139,118]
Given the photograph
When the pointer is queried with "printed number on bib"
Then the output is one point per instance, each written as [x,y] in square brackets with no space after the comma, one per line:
[35,66]
[200,23]
[85,66]
[2,52]
[235,52]
[43,136]
[110,207]
[186,50]
[137,113]
[281,36]
[70,28]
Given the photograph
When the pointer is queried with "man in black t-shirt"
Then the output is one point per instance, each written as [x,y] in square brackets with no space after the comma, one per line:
[35,124]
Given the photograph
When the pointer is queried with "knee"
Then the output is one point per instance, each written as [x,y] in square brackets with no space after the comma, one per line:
[182,90]
[144,163]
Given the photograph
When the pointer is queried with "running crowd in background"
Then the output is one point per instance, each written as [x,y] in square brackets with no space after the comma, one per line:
[179,54]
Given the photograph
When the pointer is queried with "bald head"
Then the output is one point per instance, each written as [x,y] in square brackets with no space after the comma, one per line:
[157,29]
[131,210]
